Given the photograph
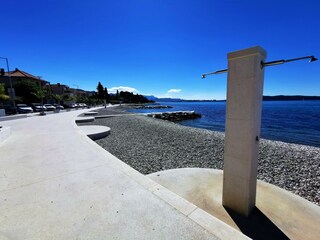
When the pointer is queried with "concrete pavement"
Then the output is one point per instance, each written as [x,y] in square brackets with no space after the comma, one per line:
[279,214]
[56,183]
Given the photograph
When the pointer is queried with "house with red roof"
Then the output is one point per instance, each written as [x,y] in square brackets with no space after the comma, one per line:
[19,75]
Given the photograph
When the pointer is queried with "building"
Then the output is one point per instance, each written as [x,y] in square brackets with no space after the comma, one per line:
[80,92]
[56,89]
[60,89]
[19,75]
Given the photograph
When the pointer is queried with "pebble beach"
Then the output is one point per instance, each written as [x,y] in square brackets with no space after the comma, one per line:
[150,145]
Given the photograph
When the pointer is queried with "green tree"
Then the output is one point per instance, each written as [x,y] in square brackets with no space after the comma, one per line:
[129,97]
[66,97]
[40,94]
[24,90]
[57,97]
[3,95]
[92,100]
[100,91]
[117,94]
[106,95]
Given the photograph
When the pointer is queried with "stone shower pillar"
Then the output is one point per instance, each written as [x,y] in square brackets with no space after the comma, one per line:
[243,121]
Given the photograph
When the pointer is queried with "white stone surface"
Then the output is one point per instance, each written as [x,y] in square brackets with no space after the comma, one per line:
[243,120]
[56,183]
[294,216]
[205,220]
[174,200]
[4,133]
[95,132]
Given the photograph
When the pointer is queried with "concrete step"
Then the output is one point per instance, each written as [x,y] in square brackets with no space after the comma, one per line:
[84,119]
[95,132]
[90,113]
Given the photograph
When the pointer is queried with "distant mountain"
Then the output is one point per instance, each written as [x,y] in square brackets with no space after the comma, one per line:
[265,98]
[151,97]
[290,98]
[156,99]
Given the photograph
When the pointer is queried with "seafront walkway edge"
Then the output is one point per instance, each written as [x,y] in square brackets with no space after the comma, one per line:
[56,183]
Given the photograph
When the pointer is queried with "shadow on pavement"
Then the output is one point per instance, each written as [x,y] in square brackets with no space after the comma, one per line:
[257,225]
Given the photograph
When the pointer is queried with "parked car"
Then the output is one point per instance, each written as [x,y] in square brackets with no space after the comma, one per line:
[37,107]
[24,108]
[83,105]
[50,107]
[71,105]
[58,106]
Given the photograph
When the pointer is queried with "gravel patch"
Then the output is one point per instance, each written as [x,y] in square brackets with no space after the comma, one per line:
[150,145]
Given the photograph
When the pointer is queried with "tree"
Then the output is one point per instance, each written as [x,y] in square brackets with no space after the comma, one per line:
[24,90]
[40,94]
[106,95]
[58,98]
[117,95]
[3,95]
[100,91]
[129,97]
[92,100]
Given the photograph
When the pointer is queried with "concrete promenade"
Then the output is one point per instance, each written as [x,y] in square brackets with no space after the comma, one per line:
[56,183]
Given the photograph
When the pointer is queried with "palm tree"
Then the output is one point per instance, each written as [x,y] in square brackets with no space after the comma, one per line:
[58,98]
[40,94]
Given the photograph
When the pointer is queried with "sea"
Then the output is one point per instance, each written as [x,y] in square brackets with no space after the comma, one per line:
[287,121]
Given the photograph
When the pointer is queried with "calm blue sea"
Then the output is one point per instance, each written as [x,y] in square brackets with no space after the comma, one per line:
[287,121]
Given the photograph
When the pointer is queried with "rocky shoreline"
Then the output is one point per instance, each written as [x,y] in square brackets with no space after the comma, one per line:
[152,107]
[175,116]
[151,145]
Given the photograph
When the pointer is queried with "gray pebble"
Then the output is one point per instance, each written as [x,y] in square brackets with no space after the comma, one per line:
[150,145]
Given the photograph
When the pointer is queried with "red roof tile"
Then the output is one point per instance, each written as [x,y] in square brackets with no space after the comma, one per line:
[19,73]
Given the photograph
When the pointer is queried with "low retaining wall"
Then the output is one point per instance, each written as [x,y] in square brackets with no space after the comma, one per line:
[13,117]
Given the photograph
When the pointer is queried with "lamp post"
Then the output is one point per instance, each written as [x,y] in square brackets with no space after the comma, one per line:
[42,95]
[11,91]
[243,120]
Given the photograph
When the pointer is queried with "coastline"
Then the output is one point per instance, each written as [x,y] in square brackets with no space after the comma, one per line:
[150,145]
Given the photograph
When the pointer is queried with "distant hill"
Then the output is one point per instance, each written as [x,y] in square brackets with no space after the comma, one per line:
[265,98]
[156,99]
[290,98]
[153,98]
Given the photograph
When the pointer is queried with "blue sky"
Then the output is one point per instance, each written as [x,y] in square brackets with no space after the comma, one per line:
[154,46]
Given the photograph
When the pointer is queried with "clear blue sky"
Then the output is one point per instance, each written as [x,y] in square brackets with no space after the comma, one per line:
[155,46]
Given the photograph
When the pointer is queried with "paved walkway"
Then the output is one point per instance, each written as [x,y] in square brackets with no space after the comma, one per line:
[278,214]
[55,183]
